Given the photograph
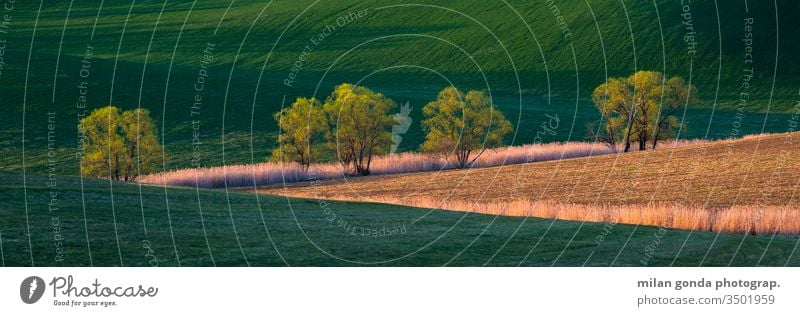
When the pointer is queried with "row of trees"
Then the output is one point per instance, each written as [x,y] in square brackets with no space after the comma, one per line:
[355,123]
[640,109]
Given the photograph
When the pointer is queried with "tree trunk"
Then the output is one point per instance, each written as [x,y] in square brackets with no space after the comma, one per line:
[461,159]
[628,141]
[131,156]
[611,140]
[628,132]
[655,138]
[360,170]
[369,162]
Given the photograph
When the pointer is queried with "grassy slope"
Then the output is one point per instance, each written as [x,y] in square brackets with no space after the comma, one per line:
[132,70]
[439,238]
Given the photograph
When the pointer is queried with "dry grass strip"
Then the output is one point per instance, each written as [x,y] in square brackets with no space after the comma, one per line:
[767,220]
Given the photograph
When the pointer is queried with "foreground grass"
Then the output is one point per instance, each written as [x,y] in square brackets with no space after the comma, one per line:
[275,231]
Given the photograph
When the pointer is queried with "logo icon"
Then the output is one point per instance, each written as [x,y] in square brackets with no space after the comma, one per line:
[31,289]
[403,120]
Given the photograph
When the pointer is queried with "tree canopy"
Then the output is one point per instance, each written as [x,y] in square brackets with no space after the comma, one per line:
[360,125]
[463,126]
[640,108]
[303,126]
[118,145]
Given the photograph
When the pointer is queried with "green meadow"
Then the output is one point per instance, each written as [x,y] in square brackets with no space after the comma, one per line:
[236,59]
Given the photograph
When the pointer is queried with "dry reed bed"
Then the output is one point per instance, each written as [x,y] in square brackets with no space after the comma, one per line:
[766,220]
[274,173]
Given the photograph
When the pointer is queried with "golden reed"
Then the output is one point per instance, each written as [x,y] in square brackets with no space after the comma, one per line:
[762,220]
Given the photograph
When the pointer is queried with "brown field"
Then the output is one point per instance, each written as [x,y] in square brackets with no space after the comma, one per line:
[269,173]
[745,185]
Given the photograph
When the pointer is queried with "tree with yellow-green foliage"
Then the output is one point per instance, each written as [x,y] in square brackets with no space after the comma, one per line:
[462,127]
[359,125]
[678,93]
[303,126]
[640,108]
[118,145]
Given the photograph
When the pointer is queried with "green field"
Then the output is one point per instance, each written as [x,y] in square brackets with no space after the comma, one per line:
[243,229]
[153,54]
[150,53]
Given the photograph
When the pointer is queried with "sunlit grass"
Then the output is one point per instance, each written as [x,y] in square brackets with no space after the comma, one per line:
[745,219]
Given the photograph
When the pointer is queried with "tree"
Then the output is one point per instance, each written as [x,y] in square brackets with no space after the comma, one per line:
[678,93]
[462,126]
[303,128]
[360,125]
[613,100]
[640,108]
[119,146]
[648,90]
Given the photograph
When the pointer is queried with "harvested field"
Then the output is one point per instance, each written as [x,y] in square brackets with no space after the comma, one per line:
[745,185]
[272,173]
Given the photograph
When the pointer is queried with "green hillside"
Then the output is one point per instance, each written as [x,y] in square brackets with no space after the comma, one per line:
[152,53]
[85,224]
